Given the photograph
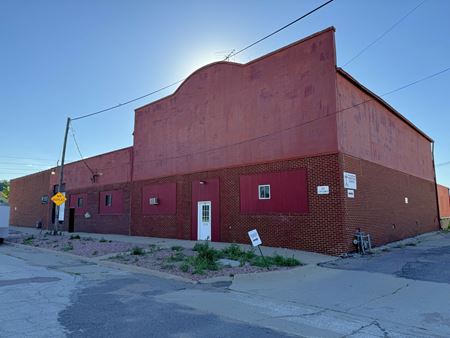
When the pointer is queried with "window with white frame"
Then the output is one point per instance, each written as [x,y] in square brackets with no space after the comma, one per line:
[264,192]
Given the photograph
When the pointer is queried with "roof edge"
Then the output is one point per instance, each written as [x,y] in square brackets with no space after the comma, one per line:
[383,102]
[309,37]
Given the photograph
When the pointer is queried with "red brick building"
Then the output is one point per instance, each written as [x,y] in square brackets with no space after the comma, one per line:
[288,144]
[444,201]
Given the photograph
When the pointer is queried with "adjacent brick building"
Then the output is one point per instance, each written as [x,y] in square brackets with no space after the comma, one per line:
[444,201]
[288,144]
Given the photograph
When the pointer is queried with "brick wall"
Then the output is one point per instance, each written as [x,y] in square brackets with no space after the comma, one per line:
[379,206]
[25,200]
[101,223]
[444,201]
[319,230]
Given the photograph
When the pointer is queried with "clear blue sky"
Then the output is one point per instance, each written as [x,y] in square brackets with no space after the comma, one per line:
[66,58]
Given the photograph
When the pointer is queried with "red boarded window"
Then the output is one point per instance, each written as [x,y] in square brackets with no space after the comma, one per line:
[159,199]
[79,203]
[280,192]
[111,202]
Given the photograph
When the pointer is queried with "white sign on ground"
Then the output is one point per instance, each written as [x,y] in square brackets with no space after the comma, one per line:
[254,237]
[349,181]
[323,190]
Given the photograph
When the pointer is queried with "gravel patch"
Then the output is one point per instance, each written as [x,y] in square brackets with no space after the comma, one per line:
[84,246]
[159,259]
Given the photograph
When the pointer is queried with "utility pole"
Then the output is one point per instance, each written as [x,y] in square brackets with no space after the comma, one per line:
[61,177]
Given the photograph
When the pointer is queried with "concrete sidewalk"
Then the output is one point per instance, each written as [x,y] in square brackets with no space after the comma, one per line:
[303,256]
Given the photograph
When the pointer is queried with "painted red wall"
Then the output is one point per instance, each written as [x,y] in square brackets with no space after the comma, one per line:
[444,201]
[115,167]
[371,132]
[288,189]
[73,203]
[209,191]
[218,117]
[116,207]
[167,195]
[106,222]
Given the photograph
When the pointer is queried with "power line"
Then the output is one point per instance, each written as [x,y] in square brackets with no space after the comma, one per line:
[127,102]
[18,169]
[279,29]
[25,164]
[420,80]
[79,151]
[228,57]
[28,158]
[443,164]
[384,34]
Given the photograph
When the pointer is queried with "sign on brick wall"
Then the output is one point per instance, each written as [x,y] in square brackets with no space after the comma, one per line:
[349,181]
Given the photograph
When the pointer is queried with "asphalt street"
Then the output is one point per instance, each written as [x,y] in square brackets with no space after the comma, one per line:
[420,259]
[45,295]
[399,291]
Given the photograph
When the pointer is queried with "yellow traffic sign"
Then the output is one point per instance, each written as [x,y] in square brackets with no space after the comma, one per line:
[59,199]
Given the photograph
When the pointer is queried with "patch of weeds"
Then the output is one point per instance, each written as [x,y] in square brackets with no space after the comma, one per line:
[95,253]
[137,251]
[184,267]
[176,248]
[74,237]
[385,250]
[154,248]
[235,252]
[102,240]
[29,240]
[411,244]
[276,260]
[121,257]
[204,260]
[200,264]
[204,251]
[88,239]
[177,256]
[68,247]
[167,266]
[400,246]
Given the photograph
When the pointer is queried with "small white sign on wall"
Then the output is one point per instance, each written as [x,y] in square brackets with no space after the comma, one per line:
[351,193]
[254,237]
[349,181]
[323,190]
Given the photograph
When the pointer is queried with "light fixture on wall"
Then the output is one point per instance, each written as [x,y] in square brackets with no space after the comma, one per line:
[202,182]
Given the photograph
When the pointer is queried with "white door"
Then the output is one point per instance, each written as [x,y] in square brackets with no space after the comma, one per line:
[204,220]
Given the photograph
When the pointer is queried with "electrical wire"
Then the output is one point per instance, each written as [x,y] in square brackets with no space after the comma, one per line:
[79,151]
[443,164]
[179,81]
[279,30]
[384,34]
[127,102]
[28,158]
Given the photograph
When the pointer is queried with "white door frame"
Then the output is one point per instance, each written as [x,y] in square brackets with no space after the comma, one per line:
[204,222]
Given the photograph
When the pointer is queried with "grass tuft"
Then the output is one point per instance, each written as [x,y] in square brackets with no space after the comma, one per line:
[29,240]
[137,251]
